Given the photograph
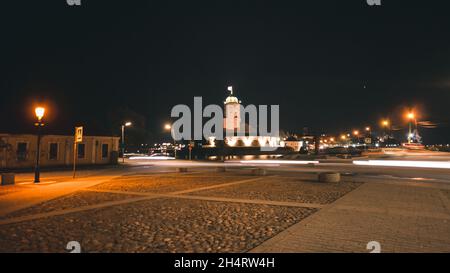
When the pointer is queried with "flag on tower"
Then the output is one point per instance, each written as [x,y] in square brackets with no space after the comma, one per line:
[230,88]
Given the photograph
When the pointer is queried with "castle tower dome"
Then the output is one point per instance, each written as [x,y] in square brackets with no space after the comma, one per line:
[231,98]
[232,111]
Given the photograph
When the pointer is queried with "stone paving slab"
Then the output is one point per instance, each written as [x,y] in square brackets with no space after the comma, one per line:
[400,218]
[33,194]
[4,190]
[158,225]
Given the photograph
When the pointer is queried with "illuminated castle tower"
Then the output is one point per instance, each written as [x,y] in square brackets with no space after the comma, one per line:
[232,119]
[232,124]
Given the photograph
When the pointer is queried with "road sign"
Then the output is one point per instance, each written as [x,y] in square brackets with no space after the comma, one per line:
[78,134]
[368,140]
[78,138]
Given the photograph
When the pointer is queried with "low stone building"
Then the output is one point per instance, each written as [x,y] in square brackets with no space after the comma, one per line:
[19,150]
[293,143]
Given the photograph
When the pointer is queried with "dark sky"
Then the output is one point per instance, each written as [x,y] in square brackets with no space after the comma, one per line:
[330,65]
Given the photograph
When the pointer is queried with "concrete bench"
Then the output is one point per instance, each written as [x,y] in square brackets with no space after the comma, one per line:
[329,177]
[8,179]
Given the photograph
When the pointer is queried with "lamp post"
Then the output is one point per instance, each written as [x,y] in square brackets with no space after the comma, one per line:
[356,134]
[410,117]
[385,124]
[168,127]
[126,124]
[39,111]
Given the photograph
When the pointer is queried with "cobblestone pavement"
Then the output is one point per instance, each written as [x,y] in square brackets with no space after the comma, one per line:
[70,201]
[162,184]
[233,212]
[159,225]
[285,189]
[446,193]
[134,218]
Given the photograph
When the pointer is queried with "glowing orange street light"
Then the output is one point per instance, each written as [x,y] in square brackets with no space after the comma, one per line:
[356,132]
[168,127]
[343,137]
[39,111]
[412,117]
[385,124]
[367,129]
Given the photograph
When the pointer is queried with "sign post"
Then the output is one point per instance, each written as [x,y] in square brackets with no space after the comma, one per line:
[190,146]
[77,139]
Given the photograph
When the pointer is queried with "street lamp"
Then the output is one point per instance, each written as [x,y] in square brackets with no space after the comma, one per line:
[385,124]
[411,116]
[369,132]
[39,111]
[356,134]
[168,127]
[126,124]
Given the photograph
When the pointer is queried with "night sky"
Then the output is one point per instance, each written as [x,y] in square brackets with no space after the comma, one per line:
[332,66]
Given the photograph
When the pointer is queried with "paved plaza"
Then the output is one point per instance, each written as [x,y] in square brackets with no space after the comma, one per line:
[232,211]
